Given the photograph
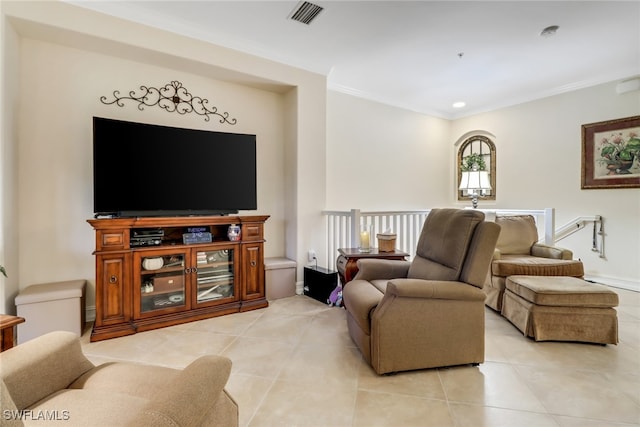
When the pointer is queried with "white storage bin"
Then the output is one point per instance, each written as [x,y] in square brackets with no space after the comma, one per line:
[47,307]
[279,278]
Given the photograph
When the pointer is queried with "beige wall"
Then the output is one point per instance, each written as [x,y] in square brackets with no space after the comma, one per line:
[69,57]
[384,158]
[9,95]
[539,148]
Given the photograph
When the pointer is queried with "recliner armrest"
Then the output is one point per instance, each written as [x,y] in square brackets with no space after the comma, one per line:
[545,251]
[190,395]
[42,366]
[433,289]
[372,269]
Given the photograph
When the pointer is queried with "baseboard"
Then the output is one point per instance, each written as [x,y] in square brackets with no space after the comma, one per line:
[90,312]
[615,283]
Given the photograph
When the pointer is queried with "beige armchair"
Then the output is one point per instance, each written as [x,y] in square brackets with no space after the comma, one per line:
[428,312]
[518,253]
[48,381]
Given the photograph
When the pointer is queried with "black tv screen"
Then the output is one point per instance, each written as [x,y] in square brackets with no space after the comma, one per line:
[152,170]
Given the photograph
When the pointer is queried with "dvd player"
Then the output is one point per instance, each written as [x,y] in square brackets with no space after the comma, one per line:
[146,237]
[148,232]
[145,241]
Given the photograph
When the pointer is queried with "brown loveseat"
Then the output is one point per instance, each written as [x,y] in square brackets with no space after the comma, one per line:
[518,253]
[428,312]
[48,381]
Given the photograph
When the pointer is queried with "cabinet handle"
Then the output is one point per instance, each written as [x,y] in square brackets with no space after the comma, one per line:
[187,270]
[253,263]
[113,280]
[194,269]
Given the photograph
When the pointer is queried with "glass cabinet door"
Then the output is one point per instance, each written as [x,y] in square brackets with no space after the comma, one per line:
[162,282]
[215,275]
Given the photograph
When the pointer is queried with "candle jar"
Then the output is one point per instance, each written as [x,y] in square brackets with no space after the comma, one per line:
[365,238]
[233,232]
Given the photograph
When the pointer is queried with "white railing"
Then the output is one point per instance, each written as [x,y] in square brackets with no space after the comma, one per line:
[597,239]
[343,227]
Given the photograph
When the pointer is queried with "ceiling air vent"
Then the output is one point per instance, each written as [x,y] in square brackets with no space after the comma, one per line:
[305,12]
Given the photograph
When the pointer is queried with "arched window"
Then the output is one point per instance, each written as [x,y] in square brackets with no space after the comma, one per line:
[481,151]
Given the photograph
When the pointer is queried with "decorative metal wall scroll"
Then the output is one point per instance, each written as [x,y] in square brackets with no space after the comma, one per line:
[172,97]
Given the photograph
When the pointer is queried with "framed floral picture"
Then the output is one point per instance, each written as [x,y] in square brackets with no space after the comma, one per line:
[611,154]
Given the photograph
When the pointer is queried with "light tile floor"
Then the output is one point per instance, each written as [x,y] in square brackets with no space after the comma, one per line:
[294,364]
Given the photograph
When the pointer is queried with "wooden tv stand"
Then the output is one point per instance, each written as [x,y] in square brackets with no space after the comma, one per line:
[148,278]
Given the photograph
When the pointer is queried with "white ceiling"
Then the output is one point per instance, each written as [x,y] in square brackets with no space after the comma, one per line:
[421,55]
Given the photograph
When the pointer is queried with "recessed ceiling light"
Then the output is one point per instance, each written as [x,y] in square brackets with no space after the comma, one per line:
[459,104]
[549,31]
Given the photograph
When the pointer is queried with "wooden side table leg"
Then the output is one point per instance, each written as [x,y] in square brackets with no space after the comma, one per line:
[8,326]
[7,339]
[351,270]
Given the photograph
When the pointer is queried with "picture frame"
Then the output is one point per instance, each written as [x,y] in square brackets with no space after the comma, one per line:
[611,154]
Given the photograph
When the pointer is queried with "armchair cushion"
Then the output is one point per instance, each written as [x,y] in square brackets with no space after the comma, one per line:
[562,292]
[545,251]
[142,380]
[372,268]
[517,234]
[433,289]
[512,265]
[443,244]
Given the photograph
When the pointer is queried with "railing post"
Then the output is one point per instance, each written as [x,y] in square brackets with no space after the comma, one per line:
[549,226]
[355,227]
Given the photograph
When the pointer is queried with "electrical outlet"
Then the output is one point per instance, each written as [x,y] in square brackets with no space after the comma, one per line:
[311,255]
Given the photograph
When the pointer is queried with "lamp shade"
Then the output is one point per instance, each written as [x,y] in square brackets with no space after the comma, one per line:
[475,180]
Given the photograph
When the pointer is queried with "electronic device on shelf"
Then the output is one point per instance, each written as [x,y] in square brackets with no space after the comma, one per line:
[145,242]
[146,237]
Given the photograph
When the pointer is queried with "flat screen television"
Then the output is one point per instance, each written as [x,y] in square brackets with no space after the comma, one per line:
[152,170]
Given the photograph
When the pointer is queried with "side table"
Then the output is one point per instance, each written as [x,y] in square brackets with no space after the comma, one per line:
[347,266]
[8,325]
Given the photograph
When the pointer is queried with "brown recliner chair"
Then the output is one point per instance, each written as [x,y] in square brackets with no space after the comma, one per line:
[428,312]
[518,254]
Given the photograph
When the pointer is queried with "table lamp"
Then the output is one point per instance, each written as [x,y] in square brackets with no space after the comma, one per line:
[474,183]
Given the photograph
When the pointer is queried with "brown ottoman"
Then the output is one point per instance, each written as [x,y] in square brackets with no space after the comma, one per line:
[561,308]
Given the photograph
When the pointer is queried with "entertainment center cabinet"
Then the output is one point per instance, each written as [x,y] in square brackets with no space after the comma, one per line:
[158,280]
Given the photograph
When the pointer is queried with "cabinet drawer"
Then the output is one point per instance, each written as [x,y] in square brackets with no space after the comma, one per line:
[251,232]
[107,240]
[168,283]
